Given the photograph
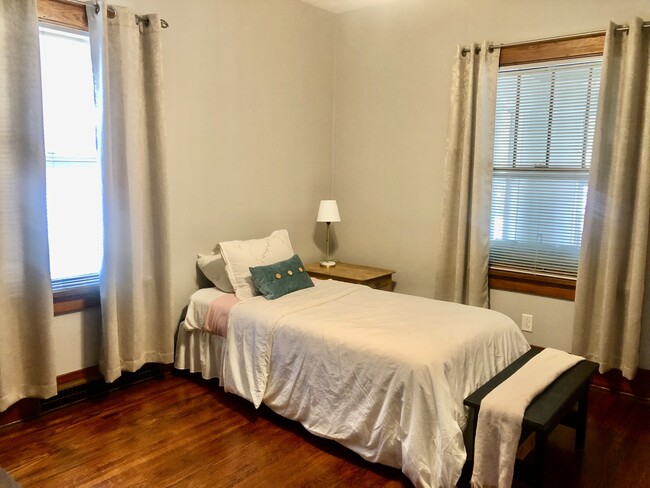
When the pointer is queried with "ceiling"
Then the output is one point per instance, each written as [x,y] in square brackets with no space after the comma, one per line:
[338,6]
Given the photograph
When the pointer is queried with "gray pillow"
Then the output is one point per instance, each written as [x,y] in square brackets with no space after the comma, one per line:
[214,269]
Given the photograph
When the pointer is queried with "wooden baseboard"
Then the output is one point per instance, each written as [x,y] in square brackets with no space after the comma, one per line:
[613,380]
[92,373]
[25,409]
[30,408]
[79,377]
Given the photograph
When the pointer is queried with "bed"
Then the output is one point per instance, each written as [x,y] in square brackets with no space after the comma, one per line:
[382,373]
[197,349]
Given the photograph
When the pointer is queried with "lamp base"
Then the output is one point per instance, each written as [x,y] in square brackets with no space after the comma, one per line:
[327,264]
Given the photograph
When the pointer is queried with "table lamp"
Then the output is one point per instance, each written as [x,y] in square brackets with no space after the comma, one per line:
[328,212]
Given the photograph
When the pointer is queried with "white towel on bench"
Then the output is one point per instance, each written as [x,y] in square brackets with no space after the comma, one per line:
[502,412]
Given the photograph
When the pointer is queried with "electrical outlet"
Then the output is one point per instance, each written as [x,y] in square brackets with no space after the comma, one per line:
[526,322]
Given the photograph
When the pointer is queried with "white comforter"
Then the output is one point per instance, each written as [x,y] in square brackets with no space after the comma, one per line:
[382,373]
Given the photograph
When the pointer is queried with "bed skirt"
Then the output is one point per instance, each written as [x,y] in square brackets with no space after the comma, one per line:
[200,352]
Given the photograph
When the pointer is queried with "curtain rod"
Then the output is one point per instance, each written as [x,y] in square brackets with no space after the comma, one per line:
[622,28]
[138,18]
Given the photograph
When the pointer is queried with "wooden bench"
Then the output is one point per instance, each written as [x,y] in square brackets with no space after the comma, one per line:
[551,407]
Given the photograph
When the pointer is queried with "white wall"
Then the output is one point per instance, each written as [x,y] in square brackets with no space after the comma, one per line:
[393,74]
[248,99]
[77,340]
[552,319]
[250,96]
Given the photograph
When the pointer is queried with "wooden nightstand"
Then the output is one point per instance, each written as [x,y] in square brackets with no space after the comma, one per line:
[380,279]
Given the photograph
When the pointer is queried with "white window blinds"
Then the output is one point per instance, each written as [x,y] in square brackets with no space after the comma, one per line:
[544,131]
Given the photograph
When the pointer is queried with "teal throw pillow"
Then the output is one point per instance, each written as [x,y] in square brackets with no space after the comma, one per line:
[276,280]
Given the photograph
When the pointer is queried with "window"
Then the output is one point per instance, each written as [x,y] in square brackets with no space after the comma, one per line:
[74,188]
[544,131]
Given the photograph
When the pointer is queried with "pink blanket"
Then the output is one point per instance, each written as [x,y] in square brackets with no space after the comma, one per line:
[216,320]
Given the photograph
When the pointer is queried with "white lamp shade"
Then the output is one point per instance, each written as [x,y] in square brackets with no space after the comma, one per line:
[328,211]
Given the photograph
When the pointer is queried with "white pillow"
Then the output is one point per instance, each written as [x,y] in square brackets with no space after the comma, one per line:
[214,269]
[241,255]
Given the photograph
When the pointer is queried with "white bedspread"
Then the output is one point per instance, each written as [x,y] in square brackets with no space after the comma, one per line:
[382,373]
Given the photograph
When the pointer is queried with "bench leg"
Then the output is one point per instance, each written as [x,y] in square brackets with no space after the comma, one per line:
[581,427]
[470,433]
[540,452]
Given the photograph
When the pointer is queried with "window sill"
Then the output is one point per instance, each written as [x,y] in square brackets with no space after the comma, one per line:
[76,299]
[544,286]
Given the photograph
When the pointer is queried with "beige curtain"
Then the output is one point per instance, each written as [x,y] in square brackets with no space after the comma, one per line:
[462,273]
[135,280]
[614,254]
[26,345]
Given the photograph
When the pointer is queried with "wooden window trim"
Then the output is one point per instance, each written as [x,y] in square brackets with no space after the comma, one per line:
[66,14]
[545,286]
[560,49]
[76,299]
[535,52]
[73,16]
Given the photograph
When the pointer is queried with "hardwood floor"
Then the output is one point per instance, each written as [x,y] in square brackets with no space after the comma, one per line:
[183,431]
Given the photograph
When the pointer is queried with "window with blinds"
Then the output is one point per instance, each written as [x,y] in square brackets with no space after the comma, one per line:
[73,170]
[544,132]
